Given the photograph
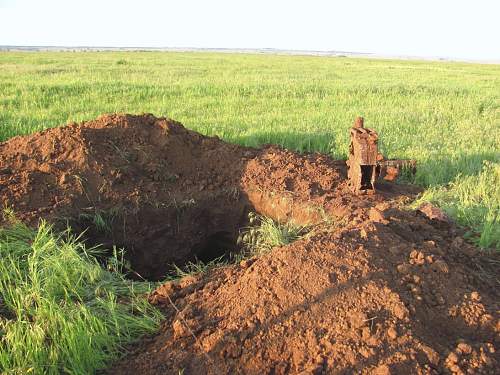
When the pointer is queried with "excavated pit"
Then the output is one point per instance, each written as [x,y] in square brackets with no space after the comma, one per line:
[373,289]
[156,241]
[166,195]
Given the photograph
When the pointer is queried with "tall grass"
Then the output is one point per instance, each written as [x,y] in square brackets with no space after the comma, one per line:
[60,311]
[474,201]
[444,115]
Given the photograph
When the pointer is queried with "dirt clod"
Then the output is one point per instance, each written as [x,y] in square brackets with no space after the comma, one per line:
[377,216]
[433,213]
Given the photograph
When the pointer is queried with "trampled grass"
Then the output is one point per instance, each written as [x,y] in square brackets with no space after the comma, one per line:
[444,115]
[60,310]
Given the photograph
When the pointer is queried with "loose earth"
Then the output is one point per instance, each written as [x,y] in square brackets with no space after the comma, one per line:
[374,288]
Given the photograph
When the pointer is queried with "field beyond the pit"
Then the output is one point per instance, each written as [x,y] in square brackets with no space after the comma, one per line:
[444,115]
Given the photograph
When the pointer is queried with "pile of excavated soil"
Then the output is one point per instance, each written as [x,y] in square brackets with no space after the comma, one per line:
[389,293]
[166,194]
[375,288]
[139,182]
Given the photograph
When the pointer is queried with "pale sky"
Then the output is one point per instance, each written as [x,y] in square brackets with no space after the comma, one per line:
[427,28]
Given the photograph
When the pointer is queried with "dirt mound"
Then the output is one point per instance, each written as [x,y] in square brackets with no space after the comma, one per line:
[166,194]
[376,288]
[137,182]
[394,294]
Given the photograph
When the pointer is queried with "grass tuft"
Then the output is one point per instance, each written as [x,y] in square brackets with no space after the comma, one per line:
[265,233]
[61,312]
[198,267]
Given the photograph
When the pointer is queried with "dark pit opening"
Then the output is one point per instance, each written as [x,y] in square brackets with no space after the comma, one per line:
[157,241]
[366,177]
[215,246]
[152,262]
[160,239]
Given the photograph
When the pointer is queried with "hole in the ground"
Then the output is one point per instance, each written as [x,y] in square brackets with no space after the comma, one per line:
[215,246]
[157,239]
[154,264]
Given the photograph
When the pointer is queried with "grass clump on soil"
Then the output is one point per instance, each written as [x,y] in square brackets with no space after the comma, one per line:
[60,310]
[194,268]
[265,233]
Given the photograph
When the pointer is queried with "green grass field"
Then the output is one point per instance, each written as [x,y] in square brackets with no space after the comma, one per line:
[61,312]
[444,115]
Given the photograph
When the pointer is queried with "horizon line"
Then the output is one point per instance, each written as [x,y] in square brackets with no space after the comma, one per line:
[262,50]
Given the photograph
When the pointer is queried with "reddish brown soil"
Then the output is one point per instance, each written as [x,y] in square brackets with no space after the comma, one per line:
[395,294]
[167,194]
[165,191]
[375,289]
